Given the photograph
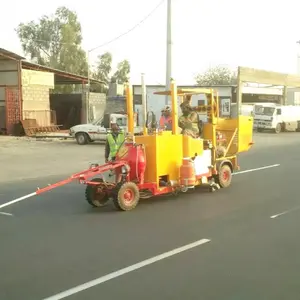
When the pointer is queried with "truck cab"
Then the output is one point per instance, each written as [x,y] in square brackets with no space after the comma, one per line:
[276,117]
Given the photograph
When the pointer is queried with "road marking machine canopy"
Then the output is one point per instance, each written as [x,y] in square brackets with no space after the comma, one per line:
[168,162]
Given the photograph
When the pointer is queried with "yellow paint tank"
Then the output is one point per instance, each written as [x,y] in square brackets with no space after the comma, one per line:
[164,153]
[191,146]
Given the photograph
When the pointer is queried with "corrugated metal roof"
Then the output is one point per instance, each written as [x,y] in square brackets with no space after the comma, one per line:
[64,77]
[61,77]
[5,54]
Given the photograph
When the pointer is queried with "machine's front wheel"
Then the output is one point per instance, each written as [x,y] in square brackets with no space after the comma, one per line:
[224,176]
[94,196]
[127,196]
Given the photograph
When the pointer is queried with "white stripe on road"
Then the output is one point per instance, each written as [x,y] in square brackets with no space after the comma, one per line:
[285,212]
[236,173]
[17,200]
[129,269]
[6,214]
[256,169]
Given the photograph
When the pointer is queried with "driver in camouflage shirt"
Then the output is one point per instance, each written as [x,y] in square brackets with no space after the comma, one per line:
[188,122]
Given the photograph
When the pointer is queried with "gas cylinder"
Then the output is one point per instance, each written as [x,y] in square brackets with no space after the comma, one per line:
[187,172]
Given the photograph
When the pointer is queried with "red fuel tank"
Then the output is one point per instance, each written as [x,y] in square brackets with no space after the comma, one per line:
[187,172]
[135,156]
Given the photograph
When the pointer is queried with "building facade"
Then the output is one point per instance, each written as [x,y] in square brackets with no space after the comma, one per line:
[25,93]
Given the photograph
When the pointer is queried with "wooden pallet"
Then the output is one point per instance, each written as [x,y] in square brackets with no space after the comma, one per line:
[31,127]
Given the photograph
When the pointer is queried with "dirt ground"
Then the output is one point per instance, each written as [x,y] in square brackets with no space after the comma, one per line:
[23,157]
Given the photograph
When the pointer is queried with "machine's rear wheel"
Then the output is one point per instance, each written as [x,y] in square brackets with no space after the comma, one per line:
[224,176]
[127,196]
[94,196]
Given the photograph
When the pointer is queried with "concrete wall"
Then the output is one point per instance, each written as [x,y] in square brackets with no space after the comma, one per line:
[35,92]
[8,77]
[96,106]
[115,104]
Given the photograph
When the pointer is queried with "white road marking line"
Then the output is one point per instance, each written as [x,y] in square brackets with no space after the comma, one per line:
[126,270]
[285,212]
[236,173]
[256,169]
[6,214]
[17,200]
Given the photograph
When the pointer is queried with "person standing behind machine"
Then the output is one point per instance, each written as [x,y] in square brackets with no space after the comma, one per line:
[114,141]
[165,121]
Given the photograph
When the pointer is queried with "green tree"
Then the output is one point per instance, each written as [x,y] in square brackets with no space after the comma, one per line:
[102,73]
[122,74]
[103,68]
[55,41]
[219,75]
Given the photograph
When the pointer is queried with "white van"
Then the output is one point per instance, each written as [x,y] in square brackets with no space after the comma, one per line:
[277,118]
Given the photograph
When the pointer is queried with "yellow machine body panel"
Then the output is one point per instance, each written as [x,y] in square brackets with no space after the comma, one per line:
[242,127]
[245,133]
[191,146]
[164,153]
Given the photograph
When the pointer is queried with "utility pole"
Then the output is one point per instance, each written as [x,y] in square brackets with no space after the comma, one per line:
[87,95]
[144,102]
[298,58]
[169,49]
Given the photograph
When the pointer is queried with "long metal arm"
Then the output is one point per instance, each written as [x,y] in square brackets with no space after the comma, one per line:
[83,176]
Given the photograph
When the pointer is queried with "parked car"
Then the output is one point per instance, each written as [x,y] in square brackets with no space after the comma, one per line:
[97,130]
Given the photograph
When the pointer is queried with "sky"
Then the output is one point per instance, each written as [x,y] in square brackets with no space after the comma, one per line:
[258,33]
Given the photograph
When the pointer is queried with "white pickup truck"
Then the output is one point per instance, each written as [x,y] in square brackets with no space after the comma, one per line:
[97,130]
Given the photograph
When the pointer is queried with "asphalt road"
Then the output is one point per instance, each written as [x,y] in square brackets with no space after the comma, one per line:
[55,241]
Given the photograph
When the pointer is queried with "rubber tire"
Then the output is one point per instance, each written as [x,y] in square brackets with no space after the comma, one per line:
[84,136]
[220,180]
[89,191]
[118,200]
[278,128]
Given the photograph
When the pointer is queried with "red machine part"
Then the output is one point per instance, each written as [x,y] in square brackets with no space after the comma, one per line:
[221,137]
[84,176]
[134,156]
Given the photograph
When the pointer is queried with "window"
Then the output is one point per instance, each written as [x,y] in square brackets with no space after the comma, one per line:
[264,110]
[98,121]
[122,121]
[278,111]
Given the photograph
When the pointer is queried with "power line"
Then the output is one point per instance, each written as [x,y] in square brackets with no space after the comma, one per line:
[131,29]
[119,36]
